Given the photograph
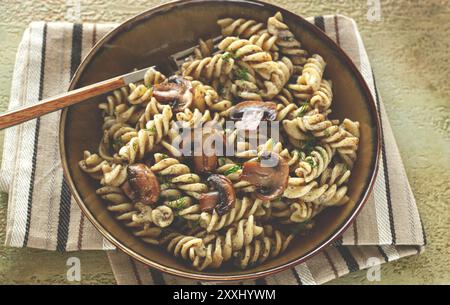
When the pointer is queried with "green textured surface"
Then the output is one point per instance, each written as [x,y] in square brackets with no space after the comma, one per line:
[409,50]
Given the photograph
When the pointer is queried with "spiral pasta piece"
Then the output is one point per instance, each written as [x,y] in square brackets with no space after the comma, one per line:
[336,194]
[240,27]
[315,163]
[120,204]
[219,249]
[292,157]
[146,139]
[92,164]
[117,109]
[266,42]
[185,207]
[113,138]
[284,97]
[151,109]
[289,111]
[196,118]
[289,46]
[244,207]
[294,212]
[153,77]
[310,79]
[278,78]
[348,147]
[261,249]
[184,246]
[204,48]
[118,97]
[208,68]
[314,122]
[124,211]
[252,54]
[323,97]
[246,90]
[307,191]
[206,97]
[161,216]
[233,172]
[139,94]
[344,137]
[179,175]
[113,175]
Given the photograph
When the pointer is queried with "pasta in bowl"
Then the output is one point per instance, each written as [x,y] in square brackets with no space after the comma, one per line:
[229,161]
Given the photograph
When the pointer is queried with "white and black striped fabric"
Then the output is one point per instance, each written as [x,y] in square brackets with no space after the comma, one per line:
[42,214]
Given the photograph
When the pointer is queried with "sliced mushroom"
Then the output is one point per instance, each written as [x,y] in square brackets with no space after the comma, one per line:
[208,201]
[226,195]
[205,160]
[269,110]
[142,184]
[126,188]
[162,216]
[270,175]
[204,163]
[177,92]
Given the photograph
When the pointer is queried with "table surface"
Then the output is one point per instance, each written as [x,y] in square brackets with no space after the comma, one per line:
[409,50]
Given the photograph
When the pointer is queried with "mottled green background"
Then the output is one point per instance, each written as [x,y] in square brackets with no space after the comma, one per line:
[410,52]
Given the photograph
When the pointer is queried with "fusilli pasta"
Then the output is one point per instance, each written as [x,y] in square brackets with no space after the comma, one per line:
[211,209]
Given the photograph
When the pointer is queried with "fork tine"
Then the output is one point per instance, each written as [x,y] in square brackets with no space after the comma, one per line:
[180,57]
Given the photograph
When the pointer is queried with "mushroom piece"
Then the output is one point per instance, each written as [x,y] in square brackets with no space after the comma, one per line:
[268,109]
[142,185]
[177,92]
[162,216]
[270,175]
[226,196]
[205,160]
[208,201]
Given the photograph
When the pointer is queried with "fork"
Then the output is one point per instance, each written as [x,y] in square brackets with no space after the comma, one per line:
[28,112]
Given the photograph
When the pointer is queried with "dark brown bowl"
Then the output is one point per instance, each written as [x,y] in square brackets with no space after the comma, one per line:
[146,40]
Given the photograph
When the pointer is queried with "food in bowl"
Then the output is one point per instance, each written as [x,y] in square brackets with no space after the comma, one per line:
[228,159]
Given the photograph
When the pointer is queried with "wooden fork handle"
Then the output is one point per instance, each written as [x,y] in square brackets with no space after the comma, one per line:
[28,112]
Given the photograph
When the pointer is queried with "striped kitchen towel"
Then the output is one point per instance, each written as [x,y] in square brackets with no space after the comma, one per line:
[42,214]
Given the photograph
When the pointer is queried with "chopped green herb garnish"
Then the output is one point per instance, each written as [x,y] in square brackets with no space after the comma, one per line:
[345,167]
[164,180]
[135,145]
[220,89]
[309,145]
[287,38]
[164,156]
[326,133]
[152,130]
[241,74]
[303,109]
[165,186]
[311,162]
[221,161]
[233,169]
[178,204]
[117,142]
[226,56]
